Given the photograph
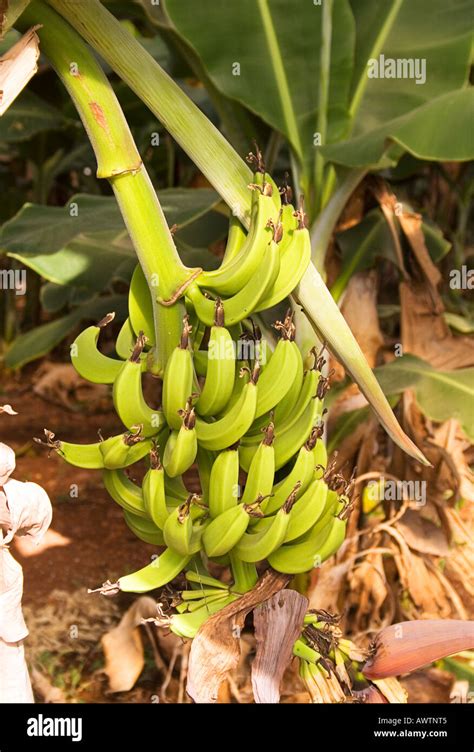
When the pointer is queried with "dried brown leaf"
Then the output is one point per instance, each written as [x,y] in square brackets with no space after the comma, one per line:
[278,624]
[17,66]
[123,646]
[422,535]
[215,650]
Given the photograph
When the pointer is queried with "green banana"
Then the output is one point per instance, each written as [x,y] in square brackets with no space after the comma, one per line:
[224,532]
[261,472]
[204,460]
[153,488]
[288,439]
[202,579]
[125,341]
[244,302]
[125,493]
[181,447]
[287,403]
[302,472]
[307,510]
[162,570]
[279,373]
[224,482]
[88,361]
[187,625]
[144,529]
[294,261]
[316,546]
[178,528]
[220,374]
[200,362]
[125,449]
[140,308]
[235,239]
[233,424]
[244,573]
[128,396]
[253,547]
[233,275]
[178,379]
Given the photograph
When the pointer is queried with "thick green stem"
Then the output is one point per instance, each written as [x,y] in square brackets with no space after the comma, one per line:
[206,146]
[119,161]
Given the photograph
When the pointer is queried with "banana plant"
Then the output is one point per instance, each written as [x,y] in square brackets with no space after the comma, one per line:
[229,175]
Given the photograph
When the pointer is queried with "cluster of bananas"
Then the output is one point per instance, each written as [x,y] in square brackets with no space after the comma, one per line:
[331,666]
[230,404]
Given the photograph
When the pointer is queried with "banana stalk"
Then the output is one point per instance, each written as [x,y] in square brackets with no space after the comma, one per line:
[119,162]
[229,175]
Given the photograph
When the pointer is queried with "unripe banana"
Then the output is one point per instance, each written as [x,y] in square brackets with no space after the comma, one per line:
[178,379]
[307,510]
[153,487]
[178,529]
[244,573]
[233,275]
[285,406]
[125,341]
[181,447]
[324,538]
[301,472]
[128,396]
[87,456]
[288,440]
[123,491]
[279,373]
[233,424]
[203,579]
[224,482]
[88,361]
[220,373]
[144,529]
[162,570]
[261,472]
[140,307]
[125,449]
[293,264]
[187,625]
[254,547]
[204,460]
[235,239]
[244,302]
[223,533]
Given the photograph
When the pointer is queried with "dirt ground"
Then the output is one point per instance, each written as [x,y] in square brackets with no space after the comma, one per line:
[88,541]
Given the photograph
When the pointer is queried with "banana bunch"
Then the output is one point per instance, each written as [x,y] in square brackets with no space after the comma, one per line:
[248,412]
[330,665]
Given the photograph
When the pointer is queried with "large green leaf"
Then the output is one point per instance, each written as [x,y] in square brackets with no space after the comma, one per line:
[89,248]
[29,115]
[419,118]
[426,132]
[41,340]
[430,30]
[278,50]
[440,394]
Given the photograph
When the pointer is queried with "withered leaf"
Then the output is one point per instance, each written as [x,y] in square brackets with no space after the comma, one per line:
[215,650]
[278,624]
